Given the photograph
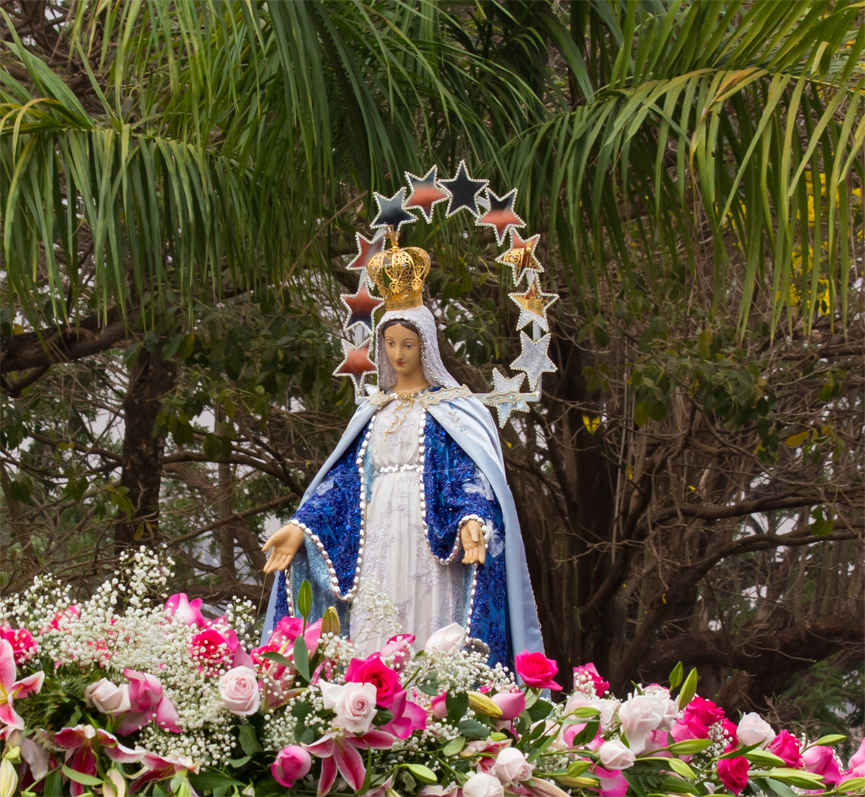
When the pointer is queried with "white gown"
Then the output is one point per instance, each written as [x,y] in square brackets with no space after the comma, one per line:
[397,560]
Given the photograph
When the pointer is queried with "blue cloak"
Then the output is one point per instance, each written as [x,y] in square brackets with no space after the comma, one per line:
[460,440]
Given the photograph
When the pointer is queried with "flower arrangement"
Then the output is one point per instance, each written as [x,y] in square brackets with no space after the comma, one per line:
[128,693]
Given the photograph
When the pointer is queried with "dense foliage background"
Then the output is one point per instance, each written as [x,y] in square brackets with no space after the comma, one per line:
[180,185]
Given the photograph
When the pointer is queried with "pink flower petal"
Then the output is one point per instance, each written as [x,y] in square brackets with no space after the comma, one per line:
[7,666]
[8,716]
[167,717]
[70,738]
[116,751]
[328,776]
[373,740]
[29,685]
[323,748]
[134,721]
[350,765]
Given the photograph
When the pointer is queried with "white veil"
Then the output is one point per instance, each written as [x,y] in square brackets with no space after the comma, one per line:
[431,361]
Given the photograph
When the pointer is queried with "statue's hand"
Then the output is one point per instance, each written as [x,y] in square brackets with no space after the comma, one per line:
[472,536]
[283,545]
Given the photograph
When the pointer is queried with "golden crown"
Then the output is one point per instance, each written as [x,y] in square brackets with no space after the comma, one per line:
[399,274]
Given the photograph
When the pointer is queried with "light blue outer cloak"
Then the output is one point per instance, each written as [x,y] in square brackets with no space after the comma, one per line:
[470,424]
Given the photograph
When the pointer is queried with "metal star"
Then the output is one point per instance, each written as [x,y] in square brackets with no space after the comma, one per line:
[355,365]
[521,256]
[392,212]
[533,305]
[534,359]
[463,192]
[425,192]
[501,216]
[506,396]
[361,306]
[365,250]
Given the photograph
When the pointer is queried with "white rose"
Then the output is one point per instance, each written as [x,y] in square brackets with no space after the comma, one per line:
[614,755]
[448,639]
[106,697]
[753,729]
[353,703]
[639,717]
[483,785]
[511,767]
[238,689]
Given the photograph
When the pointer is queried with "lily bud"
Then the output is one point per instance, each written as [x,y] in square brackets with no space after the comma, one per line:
[330,622]
[114,785]
[484,705]
[8,779]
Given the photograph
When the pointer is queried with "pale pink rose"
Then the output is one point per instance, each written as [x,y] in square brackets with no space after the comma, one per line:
[857,763]
[821,761]
[448,639]
[511,704]
[606,707]
[238,689]
[354,705]
[291,764]
[657,740]
[753,729]
[399,648]
[641,715]
[483,785]
[107,698]
[511,767]
[438,706]
[179,605]
[614,755]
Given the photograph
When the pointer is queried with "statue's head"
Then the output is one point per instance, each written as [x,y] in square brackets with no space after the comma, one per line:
[402,344]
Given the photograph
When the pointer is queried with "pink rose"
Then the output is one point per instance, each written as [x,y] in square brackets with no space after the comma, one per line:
[857,763]
[211,647]
[643,714]
[656,741]
[483,785]
[291,764]
[147,702]
[399,648]
[438,706]
[537,670]
[372,671]
[23,645]
[238,689]
[786,746]
[512,704]
[511,767]
[286,631]
[354,705]
[614,755]
[588,675]
[734,773]
[107,698]
[179,605]
[612,782]
[698,716]
[821,761]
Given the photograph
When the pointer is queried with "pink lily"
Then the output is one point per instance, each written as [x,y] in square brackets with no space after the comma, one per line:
[339,753]
[407,717]
[78,743]
[148,702]
[159,768]
[10,689]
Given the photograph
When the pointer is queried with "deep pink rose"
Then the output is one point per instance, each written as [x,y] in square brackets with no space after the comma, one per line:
[179,605]
[372,671]
[590,672]
[511,704]
[821,761]
[786,746]
[734,773]
[291,764]
[537,670]
[731,730]
[23,645]
[702,711]
[286,631]
[210,648]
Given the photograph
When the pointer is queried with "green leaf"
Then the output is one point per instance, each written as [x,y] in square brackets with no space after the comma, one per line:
[781,789]
[248,740]
[681,768]
[673,785]
[540,710]
[80,777]
[301,658]
[272,655]
[851,785]
[689,689]
[212,779]
[764,758]
[422,773]
[239,762]
[457,705]
[304,599]
[472,729]
[454,746]
[641,413]
[585,712]
[676,675]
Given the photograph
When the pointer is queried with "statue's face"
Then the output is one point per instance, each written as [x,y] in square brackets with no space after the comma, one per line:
[403,349]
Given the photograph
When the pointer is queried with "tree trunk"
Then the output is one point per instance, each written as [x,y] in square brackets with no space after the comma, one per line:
[151,378]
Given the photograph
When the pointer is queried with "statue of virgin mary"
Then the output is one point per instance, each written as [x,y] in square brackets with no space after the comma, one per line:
[417,478]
